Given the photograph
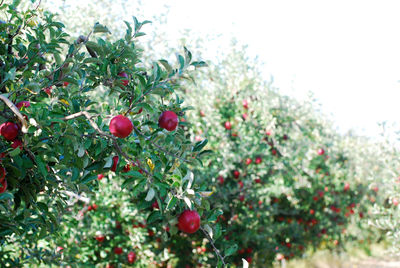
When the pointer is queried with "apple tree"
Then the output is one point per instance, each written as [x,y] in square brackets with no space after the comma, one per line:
[76,108]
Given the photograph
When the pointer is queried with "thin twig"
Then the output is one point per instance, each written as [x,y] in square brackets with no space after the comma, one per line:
[213,245]
[15,110]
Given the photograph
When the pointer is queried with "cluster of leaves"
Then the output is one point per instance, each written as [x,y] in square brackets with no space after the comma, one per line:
[64,136]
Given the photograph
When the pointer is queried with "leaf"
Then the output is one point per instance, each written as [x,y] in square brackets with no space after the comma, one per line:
[188,177]
[6,195]
[98,28]
[209,230]
[135,174]
[172,202]
[199,64]
[215,215]
[232,249]
[188,202]
[155,215]
[200,145]
[150,195]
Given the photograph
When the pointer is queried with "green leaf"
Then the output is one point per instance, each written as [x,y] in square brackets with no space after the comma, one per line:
[6,195]
[200,145]
[98,28]
[154,216]
[231,250]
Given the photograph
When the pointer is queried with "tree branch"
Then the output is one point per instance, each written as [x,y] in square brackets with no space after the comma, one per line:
[213,245]
[15,110]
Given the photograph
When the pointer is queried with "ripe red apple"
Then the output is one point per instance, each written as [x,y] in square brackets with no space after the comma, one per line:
[65,84]
[16,143]
[118,250]
[220,179]
[321,151]
[48,90]
[274,152]
[94,206]
[189,221]
[248,161]
[240,184]
[245,116]
[346,187]
[9,130]
[236,174]
[285,137]
[100,238]
[257,180]
[245,104]
[315,198]
[375,189]
[249,259]
[228,125]
[155,205]
[258,160]
[168,120]
[202,113]
[125,75]
[241,198]
[2,173]
[268,133]
[121,126]
[312,212]
[3,186]
[115,163]
[127,168]
[23,104]
[100,177]
[131,257]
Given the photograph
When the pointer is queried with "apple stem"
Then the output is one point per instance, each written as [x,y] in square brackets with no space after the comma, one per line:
[213,245]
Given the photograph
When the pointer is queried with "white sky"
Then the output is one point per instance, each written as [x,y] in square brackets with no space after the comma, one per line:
[346,52]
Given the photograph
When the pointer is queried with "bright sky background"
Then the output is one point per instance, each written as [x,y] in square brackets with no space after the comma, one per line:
[346,52]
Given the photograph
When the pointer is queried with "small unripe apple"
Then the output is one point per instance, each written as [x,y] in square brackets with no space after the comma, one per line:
[131,257]
[125,75]
[115,163]
[168,120]
[23,104]
[118,250]
[236,174]
[121,126]
[248,161]
[9,130]
[189,221]
[258,160]
[228,125]
[100,177]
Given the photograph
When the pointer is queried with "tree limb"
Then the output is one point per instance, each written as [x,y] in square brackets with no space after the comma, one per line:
[15,110]
[213,245]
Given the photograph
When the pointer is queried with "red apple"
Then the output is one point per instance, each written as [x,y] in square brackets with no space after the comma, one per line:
[48,90]
[312,212]
[274,152]
[125,75]
[121,126]
[65,84]
[100,238]
[115,163]
[2,173]
[236,174]
[23,104]
[168,120]
[155,205]
[9,130]
[321,151]
[220,179]
[100,177]
[258,180]
[131,257]
[189,221]
[241,198]
[228,125]
[3,186]
[258,160]
[118,250]
[127,168]
[202,113]
[346,187]
[245,116]
[245,104]
[58,249]
[16,143]
[240,184]
[248,161]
